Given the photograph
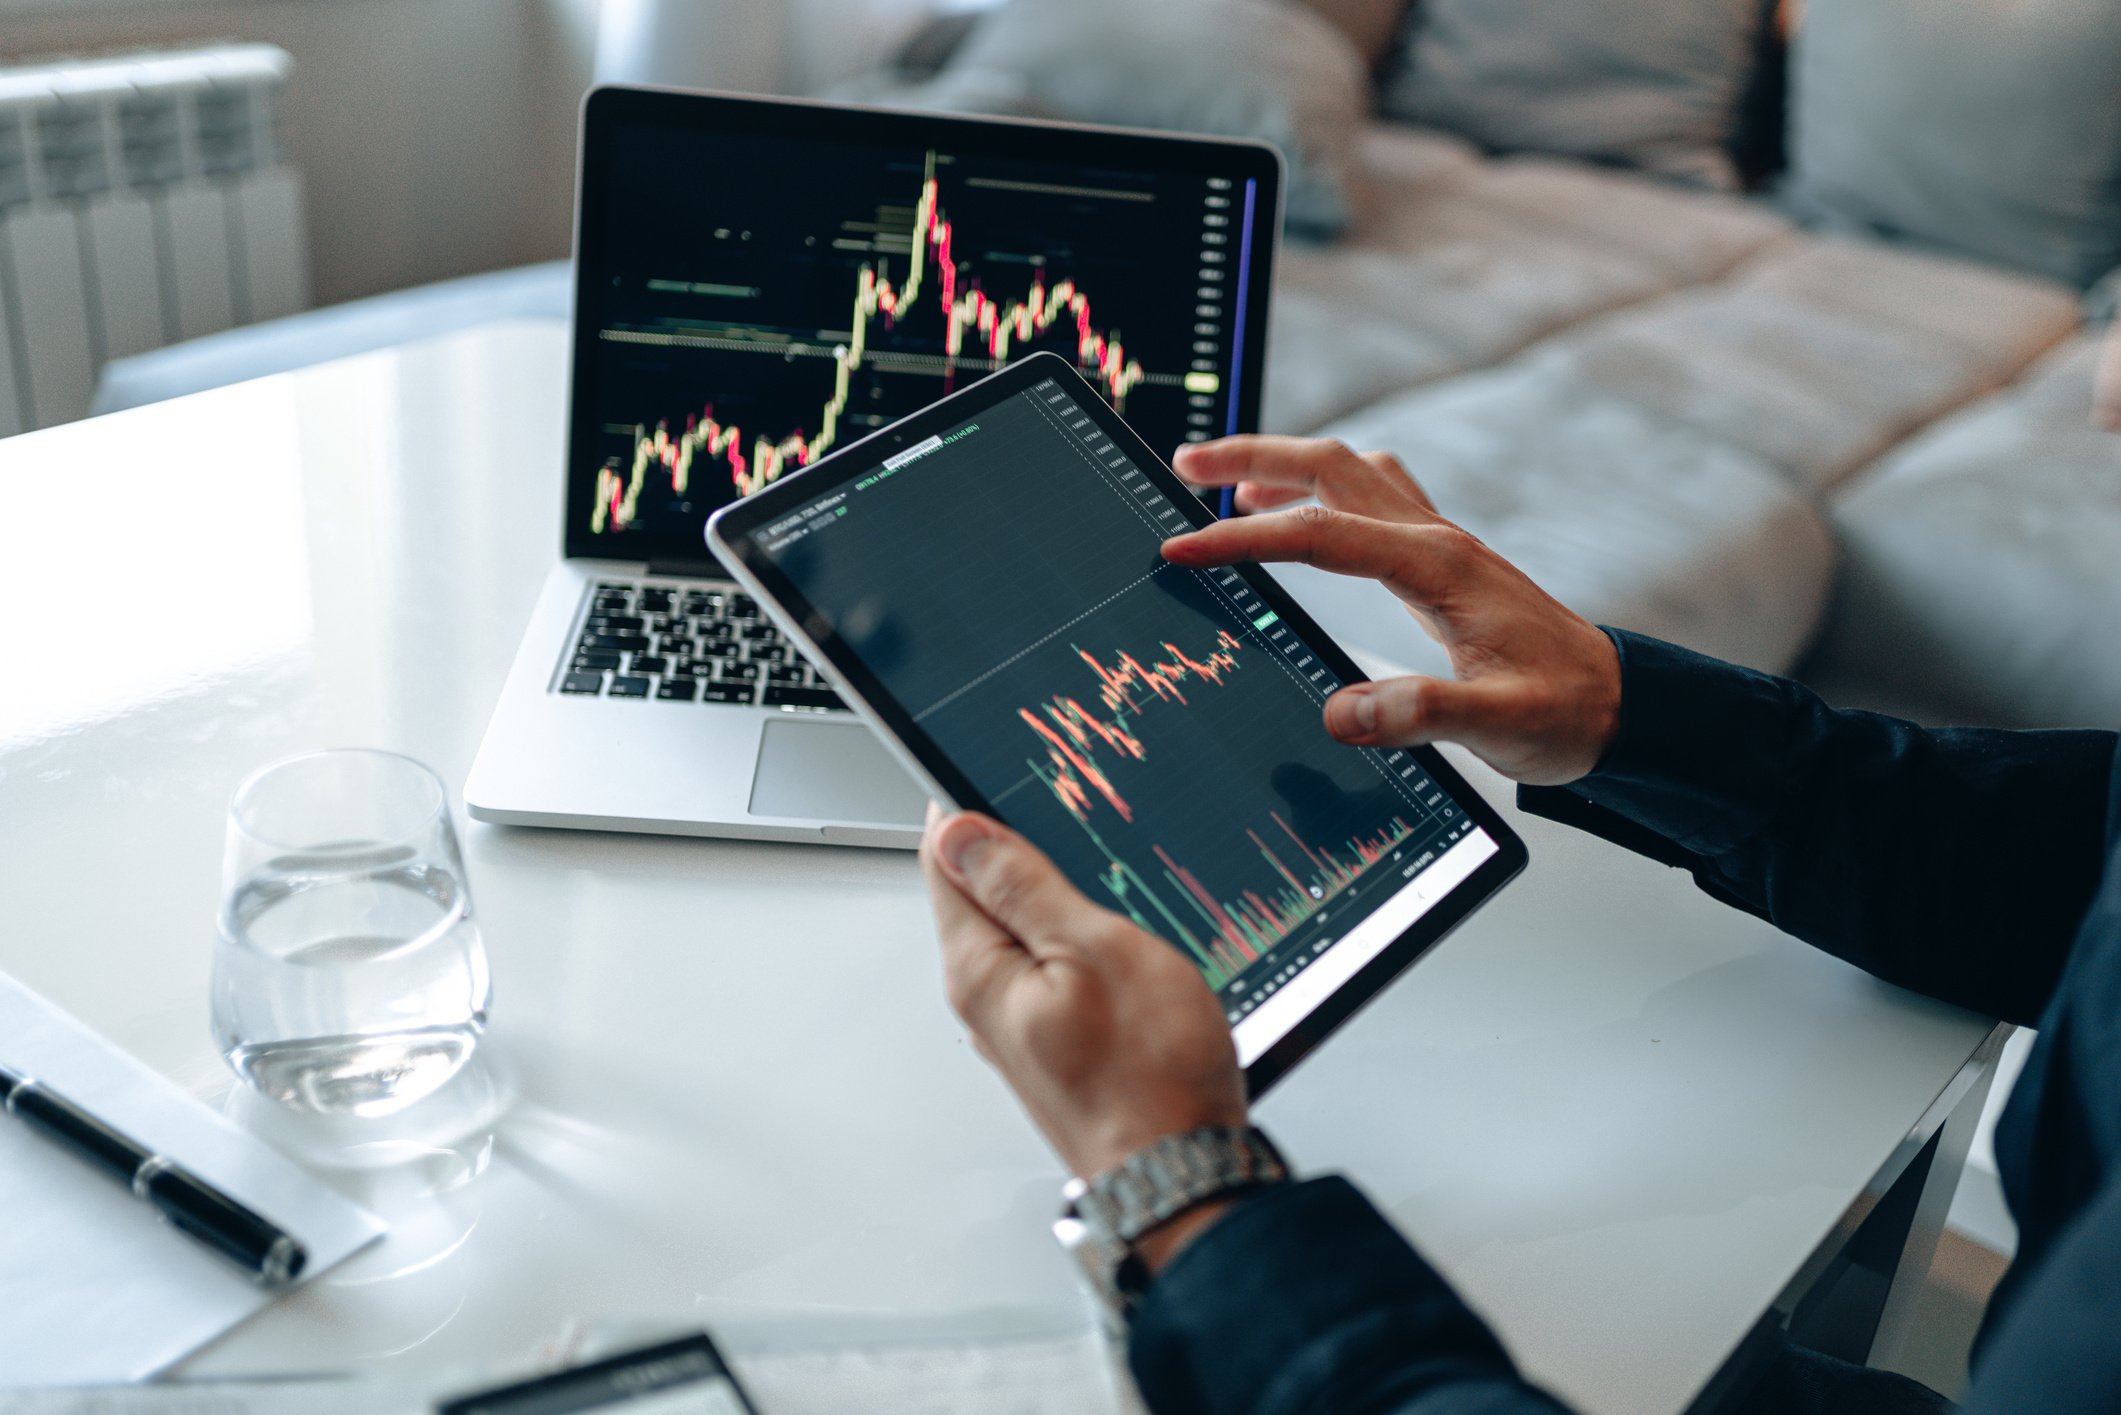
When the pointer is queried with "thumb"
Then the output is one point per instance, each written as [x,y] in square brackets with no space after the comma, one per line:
[1013,883]
[2106,383]
[1411,712]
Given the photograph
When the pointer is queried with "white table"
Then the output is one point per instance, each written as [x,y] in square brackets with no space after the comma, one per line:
[1621,1118]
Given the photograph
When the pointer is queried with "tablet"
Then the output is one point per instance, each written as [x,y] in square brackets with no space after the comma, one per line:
[983,581]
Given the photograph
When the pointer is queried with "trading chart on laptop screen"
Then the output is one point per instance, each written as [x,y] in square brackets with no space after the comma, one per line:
[762,300]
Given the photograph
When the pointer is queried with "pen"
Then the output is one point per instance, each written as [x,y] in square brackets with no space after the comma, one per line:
[264,1250]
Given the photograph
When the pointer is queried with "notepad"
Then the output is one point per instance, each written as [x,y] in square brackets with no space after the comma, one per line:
[96,1286]
[996,1362]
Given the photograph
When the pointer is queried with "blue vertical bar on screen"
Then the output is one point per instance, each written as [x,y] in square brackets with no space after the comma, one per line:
[1237,340]
[1244,286]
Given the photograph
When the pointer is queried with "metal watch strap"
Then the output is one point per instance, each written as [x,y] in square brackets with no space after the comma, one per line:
[1155,1185]
[1104,1216]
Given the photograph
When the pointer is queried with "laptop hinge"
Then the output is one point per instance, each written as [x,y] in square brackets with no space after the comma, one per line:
[701,569]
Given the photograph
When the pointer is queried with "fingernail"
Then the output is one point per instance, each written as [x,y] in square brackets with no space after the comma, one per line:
[964,845]
[1363,708]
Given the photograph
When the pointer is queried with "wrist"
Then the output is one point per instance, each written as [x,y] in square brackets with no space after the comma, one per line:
[1094,1154]
[1603,701]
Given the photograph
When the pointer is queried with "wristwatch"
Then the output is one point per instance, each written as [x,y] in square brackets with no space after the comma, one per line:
[1104,1216]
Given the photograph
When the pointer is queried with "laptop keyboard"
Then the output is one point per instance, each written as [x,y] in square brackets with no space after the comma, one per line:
[685,644]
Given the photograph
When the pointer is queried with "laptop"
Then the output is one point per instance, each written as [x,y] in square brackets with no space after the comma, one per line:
[760,280]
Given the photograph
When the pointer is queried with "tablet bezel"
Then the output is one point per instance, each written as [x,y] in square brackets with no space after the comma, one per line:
[731,531]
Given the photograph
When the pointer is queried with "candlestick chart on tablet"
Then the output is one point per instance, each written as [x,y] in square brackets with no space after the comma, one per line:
[1156,729]
[775,298]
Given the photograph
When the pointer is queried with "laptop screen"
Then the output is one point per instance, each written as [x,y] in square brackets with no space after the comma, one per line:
[760,281]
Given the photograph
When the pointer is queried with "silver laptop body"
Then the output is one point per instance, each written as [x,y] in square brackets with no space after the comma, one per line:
[649,693]
[675,767]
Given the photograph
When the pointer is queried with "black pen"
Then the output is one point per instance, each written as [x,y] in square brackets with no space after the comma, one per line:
[267,1252]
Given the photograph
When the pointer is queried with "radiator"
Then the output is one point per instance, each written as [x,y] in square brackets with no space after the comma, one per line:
[143,200]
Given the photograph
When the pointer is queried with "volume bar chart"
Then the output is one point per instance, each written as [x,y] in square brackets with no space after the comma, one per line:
[1224,935]
[1227,936]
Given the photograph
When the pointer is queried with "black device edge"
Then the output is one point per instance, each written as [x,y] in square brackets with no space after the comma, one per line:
[798,117]
[611,1381]
[729,533]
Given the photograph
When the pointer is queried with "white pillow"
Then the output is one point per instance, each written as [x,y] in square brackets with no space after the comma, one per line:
[1991,130]
[1233,68]
[1656,84]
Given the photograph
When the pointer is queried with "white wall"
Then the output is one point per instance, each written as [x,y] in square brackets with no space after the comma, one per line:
[436,136]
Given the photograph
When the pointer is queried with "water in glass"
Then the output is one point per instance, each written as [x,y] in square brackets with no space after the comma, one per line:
[349,975]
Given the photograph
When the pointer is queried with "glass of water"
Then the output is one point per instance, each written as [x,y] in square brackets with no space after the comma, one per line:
[349,976]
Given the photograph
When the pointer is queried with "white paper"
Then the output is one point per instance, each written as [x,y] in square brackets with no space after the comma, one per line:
[96,1286]
[1052,1375]
[310,1397]
[925,1374]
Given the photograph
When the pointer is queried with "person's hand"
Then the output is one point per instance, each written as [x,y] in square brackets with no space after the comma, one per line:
[1537,687]
[1109,1037]
[2106,384]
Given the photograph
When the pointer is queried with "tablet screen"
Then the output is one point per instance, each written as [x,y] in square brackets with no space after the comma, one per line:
[1155,729]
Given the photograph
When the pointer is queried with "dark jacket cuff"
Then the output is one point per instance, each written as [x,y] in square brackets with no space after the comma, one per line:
[1670,786]
[1306,1298]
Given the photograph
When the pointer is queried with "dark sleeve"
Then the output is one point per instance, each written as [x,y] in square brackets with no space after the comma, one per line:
[1956,862]
[2053,1349]
[1304,1300]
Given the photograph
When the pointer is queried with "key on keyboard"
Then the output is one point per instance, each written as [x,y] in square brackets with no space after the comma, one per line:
[672,644]
[777,696]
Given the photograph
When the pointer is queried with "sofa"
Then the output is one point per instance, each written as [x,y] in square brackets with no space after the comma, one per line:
[1684,407]
[1682,413]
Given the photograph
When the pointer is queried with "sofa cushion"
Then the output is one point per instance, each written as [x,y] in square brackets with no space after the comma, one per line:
[1821,354]
[1243,68]
[1328,355]
[1483,275]
[1981,558]
[2009,318]
[1459,284]
[1456,264]
[1986,129]
[1689,236]
[1401,159]
[1628,518]
[1657,84]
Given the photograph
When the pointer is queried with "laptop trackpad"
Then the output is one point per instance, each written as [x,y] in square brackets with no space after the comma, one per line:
[834,772]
